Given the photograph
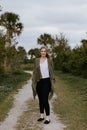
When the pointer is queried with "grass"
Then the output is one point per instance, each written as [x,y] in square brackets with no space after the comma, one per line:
[28,66]
[28,120]
[10,83]
[71,103]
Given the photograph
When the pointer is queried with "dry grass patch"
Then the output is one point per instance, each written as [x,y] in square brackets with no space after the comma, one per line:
[71,103]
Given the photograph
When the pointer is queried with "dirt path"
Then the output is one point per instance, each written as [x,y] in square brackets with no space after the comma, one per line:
[20,106]
[55,122]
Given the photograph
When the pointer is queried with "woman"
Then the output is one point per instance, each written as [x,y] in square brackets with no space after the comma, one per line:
[42,83]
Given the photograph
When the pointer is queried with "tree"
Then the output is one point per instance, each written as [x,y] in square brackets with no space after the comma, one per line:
[31,53]
[34,53]
[2,51]
[22,55]
[61,51]
[12,24]
[13,27]
[46,39]
[84,43]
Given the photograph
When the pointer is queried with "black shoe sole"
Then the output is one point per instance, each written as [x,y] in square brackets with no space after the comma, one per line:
[46,122]
[40,119]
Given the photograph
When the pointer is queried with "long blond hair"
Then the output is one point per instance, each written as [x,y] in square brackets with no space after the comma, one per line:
[44,47]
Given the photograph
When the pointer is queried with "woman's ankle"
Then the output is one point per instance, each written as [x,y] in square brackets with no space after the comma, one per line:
[42,115]
[47,118]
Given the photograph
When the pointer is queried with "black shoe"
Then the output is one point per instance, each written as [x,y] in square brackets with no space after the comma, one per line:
[46,122]
[40,119]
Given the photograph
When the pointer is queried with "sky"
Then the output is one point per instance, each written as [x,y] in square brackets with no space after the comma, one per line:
[49,16]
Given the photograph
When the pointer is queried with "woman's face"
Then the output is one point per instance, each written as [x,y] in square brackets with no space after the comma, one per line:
[43,52]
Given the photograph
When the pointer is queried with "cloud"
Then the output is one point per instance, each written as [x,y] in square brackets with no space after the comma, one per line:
[49,16]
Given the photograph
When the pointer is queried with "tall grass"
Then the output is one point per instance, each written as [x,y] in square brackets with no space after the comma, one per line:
[9,84]
[71,103]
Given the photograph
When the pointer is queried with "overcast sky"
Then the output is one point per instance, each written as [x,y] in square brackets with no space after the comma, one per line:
[49,16]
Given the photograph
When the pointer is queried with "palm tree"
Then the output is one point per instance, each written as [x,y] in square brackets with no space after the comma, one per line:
[13,27]
[12,24]
[48,41]
[45,39]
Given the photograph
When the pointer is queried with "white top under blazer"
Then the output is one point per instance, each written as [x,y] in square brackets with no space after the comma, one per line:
[44,69]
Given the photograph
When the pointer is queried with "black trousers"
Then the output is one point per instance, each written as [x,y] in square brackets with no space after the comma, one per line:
[43,88]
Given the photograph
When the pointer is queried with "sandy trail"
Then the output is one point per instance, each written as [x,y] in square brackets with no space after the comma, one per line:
[20,105]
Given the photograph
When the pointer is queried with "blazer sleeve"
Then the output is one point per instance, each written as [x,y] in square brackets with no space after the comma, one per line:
[34,79]
[52,70]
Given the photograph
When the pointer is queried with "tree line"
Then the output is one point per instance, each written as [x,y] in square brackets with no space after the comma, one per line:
[65,58]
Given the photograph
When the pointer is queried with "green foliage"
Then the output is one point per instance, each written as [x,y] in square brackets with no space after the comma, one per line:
[9,84]
[33,53]
[70,60]
[2,52]
[9,81]
[11,60]
[46,39]
[11,22]
[61,52]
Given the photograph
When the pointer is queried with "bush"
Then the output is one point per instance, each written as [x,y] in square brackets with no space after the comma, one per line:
[1,69]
